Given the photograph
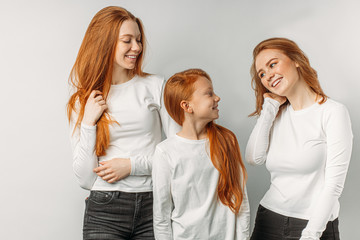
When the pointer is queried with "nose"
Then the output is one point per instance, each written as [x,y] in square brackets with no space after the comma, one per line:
[217,98]
[270,74]
[136,46]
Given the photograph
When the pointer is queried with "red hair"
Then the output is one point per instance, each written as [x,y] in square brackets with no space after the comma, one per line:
[94,66]
[292,51]
[224,147]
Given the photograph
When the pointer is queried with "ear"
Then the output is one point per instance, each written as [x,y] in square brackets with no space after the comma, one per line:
[186,106]
[297,65]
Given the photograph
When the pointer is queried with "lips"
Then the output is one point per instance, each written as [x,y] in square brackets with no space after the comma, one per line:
[276,82]
[215,107]
[132,57]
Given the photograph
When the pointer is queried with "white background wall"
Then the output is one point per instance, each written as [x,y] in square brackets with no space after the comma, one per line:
[39,40]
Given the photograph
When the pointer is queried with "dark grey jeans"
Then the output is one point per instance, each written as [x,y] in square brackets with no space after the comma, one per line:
[118,215]
[273,226]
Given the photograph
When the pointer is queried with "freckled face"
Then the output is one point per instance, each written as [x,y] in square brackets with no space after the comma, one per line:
[204,102]
[129,45]
[278,73]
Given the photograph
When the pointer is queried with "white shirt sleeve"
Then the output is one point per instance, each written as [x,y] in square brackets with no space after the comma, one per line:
[142,164]
[163,204]
[258,144]
[83,141]
[337,127]
[243,219]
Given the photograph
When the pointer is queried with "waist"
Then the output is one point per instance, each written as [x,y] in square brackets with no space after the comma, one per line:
[130,184]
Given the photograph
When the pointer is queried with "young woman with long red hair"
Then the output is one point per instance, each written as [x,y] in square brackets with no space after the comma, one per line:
[198,175]
[305,138]
[116,118]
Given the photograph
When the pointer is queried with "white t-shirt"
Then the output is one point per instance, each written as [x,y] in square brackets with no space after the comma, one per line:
[186,204]
[137,106]
[307,153]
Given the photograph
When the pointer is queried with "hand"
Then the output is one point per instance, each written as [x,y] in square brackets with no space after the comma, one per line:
[276,97]
[94,108]
[113,170]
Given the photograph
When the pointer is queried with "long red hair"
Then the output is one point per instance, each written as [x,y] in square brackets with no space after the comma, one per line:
[292,51]
[224,147]
[94,66]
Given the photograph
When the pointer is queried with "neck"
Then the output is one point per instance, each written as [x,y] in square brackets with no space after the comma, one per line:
[194,130]
[120,75]
[302,96]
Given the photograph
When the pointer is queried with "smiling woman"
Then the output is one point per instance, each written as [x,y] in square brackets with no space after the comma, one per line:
[127,50]
[305,140]
[116,118]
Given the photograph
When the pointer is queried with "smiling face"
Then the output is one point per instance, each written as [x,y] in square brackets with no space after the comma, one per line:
[129,46]
[204,102]
[278,73]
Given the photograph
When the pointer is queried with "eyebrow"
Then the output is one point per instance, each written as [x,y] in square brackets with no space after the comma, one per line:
[128,35]
[209,89]
[267,64]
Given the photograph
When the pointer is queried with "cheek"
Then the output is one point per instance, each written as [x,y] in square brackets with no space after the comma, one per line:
[264,83]
[118,59]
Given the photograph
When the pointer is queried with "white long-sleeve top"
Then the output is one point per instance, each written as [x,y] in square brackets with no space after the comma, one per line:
[186,204]
[307,153]
[137,106]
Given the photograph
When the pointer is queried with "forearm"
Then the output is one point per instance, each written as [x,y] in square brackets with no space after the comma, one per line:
[256,149]
[321,214]
[141,165]
[163,204]
[85,159]
[243,219]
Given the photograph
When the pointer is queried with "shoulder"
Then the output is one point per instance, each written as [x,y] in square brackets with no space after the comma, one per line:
[152,81]
[335,114]
[163,152]
[167,144]
[331,107]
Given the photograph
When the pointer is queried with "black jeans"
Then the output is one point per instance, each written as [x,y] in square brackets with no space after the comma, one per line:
[273,226]
[118,215]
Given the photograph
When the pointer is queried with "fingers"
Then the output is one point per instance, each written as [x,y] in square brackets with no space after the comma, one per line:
[94,93]
[113,170]
[105,172]
[101,102]
[280,99]
[98,98]
[101,171]
[104,107]
[108,177]
[100,168]
[112,180]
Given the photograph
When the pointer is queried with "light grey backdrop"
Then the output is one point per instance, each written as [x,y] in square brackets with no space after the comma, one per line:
[39,41]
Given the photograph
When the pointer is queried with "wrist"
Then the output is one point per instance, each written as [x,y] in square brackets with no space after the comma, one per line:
[88,122]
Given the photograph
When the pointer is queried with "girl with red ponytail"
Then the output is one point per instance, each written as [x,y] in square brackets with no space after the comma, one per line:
[198,175]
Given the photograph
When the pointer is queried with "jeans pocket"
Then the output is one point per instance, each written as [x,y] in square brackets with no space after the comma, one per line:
[101,197]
